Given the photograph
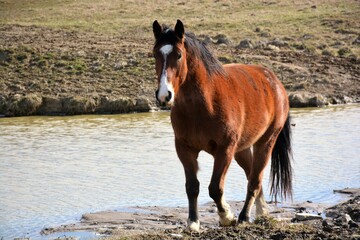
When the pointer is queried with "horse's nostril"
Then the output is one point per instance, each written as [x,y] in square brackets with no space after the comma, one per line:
[168,98]
[156,94]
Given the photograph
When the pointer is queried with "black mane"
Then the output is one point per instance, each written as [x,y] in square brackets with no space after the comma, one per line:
[194,47]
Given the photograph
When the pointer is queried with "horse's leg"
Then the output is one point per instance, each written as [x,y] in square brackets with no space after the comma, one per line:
[261,206]
[216,187]
[245,160]
[261,155]
[188,158]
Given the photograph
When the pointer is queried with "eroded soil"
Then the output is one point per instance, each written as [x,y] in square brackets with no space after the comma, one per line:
[51,71]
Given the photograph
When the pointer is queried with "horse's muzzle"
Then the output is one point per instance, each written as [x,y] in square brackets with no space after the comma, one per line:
[163,101]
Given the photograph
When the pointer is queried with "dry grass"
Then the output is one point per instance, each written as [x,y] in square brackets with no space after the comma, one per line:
[237,19]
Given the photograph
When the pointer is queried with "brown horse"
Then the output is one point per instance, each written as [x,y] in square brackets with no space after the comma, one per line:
[231,111]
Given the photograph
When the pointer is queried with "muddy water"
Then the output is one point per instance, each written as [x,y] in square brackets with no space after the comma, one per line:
[53,169]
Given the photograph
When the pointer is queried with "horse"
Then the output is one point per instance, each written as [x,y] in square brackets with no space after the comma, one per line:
[229,111]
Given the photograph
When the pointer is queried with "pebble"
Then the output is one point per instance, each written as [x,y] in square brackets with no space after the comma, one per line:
[175,235]
[306,216]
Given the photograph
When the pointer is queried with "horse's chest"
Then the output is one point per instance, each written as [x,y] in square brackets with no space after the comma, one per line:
[196,129]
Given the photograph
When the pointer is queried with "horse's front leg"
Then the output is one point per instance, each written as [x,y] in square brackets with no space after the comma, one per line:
[216,187]
[188,157]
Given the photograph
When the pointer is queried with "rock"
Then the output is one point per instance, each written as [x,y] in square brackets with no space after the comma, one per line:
[261,44]
[278,43]
[326,52]
[23,105]
[357,40]
[347,191]
[78,105]
[303,99]
[353,224]
[222,39]
[326,226]
[246,43]
[355,214]
[206,40]
[272,48]
[346,218]
[265,34]
[3,104]
[306,216]
[120,105]
[143,105]
[81,53]
[51,106]
[344,51]
[107,54]
[5,56]
[225,59]
[176,236]
[308,36]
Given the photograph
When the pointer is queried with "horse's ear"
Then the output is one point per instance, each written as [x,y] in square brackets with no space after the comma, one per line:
[179,29]
[157,29]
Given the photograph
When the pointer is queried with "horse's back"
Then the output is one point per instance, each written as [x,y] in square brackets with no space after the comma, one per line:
[259,86]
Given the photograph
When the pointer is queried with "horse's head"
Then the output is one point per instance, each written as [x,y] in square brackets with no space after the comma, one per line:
[170,58]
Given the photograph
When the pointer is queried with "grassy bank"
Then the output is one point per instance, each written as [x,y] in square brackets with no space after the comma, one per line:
[314,23]
[98,53]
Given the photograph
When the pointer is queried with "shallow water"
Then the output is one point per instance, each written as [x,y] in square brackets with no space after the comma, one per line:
[53,169]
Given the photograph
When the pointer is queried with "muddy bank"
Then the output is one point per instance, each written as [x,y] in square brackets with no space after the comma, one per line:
[46,71]
[303,220]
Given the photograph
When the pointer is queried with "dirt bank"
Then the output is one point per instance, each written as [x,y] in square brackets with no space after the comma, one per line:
[45,71]
[303,220]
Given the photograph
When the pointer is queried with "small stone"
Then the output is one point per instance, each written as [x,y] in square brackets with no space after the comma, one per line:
[107,54]
[306,216]
[272,48]
[176,235]
[81,53]
[353,224]
[346,218]
[357,40]
[222,39]
[246,43]
[278,43]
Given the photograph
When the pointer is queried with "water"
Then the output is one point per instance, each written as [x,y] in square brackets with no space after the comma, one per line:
[54,169]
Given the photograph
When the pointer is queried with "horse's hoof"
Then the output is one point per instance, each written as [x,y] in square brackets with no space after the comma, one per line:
[227,220]
[243,219]
[194,226]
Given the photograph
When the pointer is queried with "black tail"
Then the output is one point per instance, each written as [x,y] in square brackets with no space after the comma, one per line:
[281,170]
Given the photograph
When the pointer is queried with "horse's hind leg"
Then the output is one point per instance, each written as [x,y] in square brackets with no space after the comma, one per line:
[245,160]
[261,155]
[216,187]
[188,158]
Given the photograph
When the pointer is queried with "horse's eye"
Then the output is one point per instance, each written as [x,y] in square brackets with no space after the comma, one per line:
[179,56]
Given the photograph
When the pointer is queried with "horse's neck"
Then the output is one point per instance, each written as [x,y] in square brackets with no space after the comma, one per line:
[197,88]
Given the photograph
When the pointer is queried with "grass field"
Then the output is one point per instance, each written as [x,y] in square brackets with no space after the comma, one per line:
[313,22]
[53,51]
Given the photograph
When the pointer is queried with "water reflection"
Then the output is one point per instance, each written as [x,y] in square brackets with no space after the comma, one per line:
[53,169]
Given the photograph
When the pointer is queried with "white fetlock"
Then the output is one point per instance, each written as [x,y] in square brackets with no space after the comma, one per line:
[261,207]
[194,226]
[261,211]
[227,218]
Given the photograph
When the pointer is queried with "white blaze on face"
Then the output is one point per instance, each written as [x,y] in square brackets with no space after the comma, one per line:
[165,87]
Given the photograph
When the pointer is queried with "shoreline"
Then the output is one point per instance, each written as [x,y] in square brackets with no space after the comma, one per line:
[76,106]
[170,222]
